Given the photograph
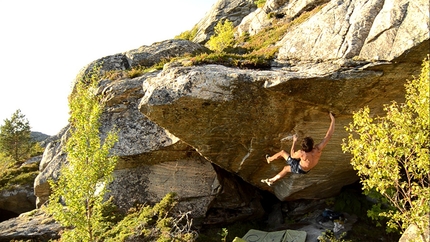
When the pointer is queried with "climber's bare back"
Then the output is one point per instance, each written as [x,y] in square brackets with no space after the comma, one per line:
[308,160]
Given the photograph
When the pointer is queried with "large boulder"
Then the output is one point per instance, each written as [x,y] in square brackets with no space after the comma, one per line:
[17,200]
[234,117]
[31,226]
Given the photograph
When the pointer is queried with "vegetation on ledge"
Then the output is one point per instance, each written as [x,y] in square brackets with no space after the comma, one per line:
[20,176]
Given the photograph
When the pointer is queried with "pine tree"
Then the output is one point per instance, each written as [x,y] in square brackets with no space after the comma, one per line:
[15,137]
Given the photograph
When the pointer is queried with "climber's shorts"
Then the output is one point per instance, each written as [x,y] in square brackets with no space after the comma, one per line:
[295,166]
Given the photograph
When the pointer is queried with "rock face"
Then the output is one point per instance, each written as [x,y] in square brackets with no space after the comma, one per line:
[233,10]
[150,55]
[145,56]
[18,200]
[152,161]
[49,167]
[203,131]
[369,30]
[18,197]
[234,117]
[33,226]
[412,233]
[275,9]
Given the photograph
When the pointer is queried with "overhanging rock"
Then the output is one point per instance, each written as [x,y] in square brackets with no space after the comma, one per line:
[234,117]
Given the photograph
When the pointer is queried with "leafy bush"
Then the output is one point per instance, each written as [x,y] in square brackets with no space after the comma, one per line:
[259,3]
[188,35]
[329,236]
[5,162]
[391,156]
[223,37]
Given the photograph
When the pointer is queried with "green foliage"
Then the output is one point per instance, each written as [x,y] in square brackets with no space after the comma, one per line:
[329,236]
[259,3]
[36,150]
[5,162]
[352,203]
[152,224]
[15,139]
[391,156]
[23,175]
[135,71]
[224,233]
[17,146]
[83,181]
[188,35]
[223,37]
[233,60]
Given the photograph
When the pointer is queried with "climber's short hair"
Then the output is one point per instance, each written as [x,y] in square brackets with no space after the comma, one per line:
[307,144]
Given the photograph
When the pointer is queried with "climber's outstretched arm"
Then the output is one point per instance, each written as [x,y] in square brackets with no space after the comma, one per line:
[328,135]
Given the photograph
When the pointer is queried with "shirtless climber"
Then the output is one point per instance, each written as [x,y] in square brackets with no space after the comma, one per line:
[301,161]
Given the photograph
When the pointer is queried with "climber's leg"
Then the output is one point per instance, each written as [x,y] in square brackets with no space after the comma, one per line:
[281,153]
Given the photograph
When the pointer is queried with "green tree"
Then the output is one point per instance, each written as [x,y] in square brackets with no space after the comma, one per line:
[15,137]
[223,37]
[83,181]
[391,155]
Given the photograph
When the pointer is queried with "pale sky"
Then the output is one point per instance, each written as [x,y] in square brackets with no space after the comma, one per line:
[44,43]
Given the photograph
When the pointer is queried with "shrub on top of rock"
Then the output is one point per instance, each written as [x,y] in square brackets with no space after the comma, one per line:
[223,37]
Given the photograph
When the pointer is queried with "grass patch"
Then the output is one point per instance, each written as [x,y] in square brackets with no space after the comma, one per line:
[134,72]
[23,175]
[188,35]
[231,60]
